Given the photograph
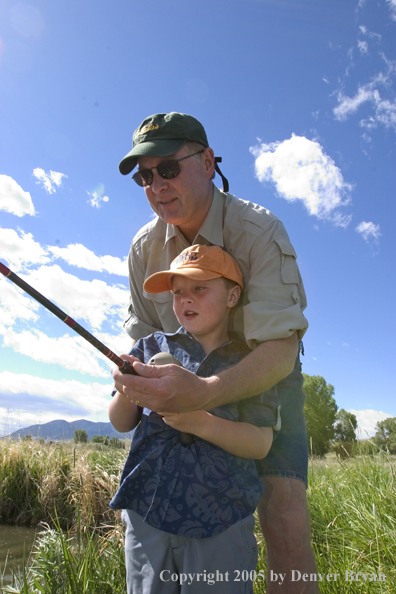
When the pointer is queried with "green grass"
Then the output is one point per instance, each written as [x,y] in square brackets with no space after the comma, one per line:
[353,523]
[352,505]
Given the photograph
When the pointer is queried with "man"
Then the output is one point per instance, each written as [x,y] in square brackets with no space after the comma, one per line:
[176,167]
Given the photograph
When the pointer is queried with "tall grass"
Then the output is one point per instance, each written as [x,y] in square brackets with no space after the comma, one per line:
[37,478]
[353,523]
[352,505]
[82,563]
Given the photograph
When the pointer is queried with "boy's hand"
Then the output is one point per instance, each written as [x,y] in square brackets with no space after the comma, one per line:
[189,422]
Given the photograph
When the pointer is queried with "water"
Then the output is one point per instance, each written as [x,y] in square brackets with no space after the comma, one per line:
[12,541]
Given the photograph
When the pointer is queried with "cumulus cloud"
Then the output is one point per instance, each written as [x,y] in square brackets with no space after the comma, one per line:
[93,301]
[50,181]
[21,250]
[80,256]
[369,231]
[367,420]
[13,199]
[301,170]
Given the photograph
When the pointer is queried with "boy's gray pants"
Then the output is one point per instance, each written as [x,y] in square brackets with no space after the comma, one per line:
[158,562]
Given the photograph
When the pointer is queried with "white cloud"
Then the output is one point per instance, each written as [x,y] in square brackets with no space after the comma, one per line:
[301,170]
[93,396]
[370,34]
[80,256]
[367,420]
[384,109]
[94,301]
[50,181]
[15,305]
[21,250]
[363,47]
[71,352]
[392,6]
[349,105]
[369,231]
[13,199]
[96,199]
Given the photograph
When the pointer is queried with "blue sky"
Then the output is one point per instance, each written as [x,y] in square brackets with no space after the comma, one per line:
[299,100]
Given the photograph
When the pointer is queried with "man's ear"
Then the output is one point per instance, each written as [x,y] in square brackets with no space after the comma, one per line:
[209,162]
[233,296]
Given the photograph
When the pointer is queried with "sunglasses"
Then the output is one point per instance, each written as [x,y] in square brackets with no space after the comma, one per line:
[166,169]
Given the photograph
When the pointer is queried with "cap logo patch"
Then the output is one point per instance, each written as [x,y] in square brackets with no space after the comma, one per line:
[183,258]
[149,128]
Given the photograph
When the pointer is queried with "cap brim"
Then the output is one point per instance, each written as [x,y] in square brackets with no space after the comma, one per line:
[159,148]
[161,281]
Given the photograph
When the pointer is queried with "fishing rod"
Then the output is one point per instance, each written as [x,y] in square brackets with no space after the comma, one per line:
[124,366]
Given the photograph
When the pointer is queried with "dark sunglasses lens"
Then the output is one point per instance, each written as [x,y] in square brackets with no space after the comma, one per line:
[143,177]
[168,169]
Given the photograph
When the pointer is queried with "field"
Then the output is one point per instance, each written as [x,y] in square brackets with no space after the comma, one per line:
[67,488]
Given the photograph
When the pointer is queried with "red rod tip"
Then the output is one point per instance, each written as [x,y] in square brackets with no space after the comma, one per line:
[4,270]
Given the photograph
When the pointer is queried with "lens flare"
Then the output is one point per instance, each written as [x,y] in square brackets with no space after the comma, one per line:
[26,20]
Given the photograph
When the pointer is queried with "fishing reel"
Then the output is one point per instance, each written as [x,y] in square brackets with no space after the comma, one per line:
[168,359]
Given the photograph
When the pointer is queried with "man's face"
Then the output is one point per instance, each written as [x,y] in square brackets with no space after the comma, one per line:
[183,200]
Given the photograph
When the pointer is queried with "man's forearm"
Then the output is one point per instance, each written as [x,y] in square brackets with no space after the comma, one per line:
[175,389]
[264,367]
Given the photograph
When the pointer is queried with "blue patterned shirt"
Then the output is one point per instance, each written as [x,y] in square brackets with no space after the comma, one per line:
[196,490]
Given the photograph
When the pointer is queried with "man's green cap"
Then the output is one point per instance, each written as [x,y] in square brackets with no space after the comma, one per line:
[161,135]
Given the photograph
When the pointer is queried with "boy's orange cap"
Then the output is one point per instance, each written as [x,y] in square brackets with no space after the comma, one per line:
[200,262]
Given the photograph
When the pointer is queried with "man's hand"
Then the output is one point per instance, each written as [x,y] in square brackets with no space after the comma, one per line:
[164,387]
[174,389]
[118,386]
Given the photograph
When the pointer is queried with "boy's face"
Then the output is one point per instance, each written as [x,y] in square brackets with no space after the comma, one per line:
[203,307]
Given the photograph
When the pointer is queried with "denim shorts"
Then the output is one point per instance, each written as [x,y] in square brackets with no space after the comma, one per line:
[288,456]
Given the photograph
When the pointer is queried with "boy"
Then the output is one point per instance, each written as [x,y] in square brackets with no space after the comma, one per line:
[188,509]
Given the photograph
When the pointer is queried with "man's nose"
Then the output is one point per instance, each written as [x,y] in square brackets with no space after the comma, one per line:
[159,182]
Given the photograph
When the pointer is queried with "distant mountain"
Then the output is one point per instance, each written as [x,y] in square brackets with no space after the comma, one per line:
[64,430]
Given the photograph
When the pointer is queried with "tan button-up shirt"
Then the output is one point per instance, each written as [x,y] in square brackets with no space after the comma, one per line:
[274,296]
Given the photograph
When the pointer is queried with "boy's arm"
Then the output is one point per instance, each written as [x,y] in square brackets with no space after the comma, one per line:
[240,439]
[124,414]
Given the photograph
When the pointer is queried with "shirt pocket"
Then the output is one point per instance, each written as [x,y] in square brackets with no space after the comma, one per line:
[289,270]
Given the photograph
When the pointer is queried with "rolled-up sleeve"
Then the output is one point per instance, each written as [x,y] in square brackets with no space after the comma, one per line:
[275,292]
[274,297]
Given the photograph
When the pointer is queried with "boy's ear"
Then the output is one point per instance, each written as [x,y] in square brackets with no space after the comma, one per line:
[233,296]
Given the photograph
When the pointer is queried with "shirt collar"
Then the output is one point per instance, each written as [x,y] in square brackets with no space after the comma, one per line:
[235,338]
[211,230]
